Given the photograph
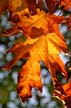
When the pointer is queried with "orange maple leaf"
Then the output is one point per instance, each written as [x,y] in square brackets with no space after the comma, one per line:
[44,42]
[46,46]
[47,49]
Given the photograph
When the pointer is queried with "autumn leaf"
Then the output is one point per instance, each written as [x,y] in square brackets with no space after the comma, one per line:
[44,42]
[29,23]
[33,62]
[68,21]
[67,90]
[11,31]
[64,93]
[19,5]
[65,3]
[15,4]
[11,5]
[25,22]
[41,50]
[51,3]
[22,50]
[3,5]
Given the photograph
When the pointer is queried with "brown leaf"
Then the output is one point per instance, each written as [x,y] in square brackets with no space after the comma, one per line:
[3,5]
[64,93]
[68,21]
[65,3]
[51,4]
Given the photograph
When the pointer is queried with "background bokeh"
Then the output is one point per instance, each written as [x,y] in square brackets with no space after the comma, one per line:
[8,79]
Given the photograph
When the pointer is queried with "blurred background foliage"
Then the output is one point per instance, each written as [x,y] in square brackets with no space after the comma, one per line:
[8,79]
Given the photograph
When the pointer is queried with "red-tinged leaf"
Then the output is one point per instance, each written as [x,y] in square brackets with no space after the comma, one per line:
[68,21]
[63,92]
[30,23]
[66,4]
[12,31]
[3,5]
[18,5]
[51,4]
